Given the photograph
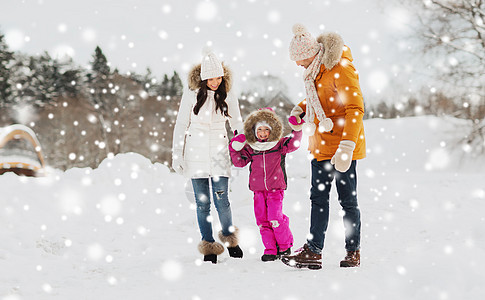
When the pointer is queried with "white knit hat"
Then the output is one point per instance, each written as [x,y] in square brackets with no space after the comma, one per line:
[303,45]
[211,67]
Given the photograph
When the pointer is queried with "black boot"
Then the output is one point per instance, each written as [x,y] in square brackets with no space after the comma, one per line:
[210,250]
[232,244]
[235,252]
[286,252]
[269,257]
[211,257]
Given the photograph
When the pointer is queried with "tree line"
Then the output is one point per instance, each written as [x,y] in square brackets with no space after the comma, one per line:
[83,115]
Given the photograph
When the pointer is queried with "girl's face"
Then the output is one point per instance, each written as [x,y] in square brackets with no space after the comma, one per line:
[263,132]
[213,83]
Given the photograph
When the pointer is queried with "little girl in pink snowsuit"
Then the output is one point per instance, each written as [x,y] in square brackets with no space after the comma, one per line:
[262,146]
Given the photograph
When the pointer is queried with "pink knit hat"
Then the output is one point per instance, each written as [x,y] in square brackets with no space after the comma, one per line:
[303,45]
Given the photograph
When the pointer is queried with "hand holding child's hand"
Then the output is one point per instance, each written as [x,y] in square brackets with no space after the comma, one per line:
[237,142]
[296,120]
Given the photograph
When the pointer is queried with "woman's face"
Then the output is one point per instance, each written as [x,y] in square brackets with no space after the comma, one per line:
[213,83]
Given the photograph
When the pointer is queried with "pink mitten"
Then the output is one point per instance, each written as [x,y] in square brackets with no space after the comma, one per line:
[296,122]
[237,142]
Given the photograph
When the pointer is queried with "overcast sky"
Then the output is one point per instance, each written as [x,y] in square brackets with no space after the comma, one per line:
[252,36]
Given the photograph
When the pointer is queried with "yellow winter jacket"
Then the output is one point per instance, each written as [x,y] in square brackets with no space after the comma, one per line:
[341,98]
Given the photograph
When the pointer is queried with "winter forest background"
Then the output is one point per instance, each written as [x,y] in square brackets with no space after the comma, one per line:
[83,113]
[102,78]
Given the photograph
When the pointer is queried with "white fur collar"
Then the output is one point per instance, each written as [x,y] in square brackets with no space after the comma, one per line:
[263,146]
[333,45]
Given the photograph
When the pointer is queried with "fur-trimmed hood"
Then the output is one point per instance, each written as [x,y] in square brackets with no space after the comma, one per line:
[335,49]
[194,80]
[269,116]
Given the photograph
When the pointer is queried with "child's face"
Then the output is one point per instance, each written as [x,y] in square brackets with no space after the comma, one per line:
[263,132]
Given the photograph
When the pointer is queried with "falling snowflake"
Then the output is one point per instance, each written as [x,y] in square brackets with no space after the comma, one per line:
[171,270]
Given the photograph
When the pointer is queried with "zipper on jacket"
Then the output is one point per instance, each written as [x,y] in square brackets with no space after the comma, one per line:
[264,168]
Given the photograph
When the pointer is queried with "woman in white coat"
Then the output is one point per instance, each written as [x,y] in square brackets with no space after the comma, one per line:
[200,149]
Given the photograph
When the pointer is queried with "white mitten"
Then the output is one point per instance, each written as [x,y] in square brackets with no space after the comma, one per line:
[296,112]
[178,163]
[343,156]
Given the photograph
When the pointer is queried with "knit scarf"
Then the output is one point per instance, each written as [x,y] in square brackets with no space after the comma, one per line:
[313,105]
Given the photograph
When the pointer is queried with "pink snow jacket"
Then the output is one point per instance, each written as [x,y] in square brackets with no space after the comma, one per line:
[267,169]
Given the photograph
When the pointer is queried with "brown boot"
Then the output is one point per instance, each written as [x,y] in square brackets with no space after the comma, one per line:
[305,258]
[352,259]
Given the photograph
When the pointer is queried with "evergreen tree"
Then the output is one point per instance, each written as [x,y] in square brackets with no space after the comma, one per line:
[164,86]
[68,78]
[5,58]
[100,63]
[176,87]
[37,77]
[100,96]
[149,84]
[69,82]
[45,75]
[98,80]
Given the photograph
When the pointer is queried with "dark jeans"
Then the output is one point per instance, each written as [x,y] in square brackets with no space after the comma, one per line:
[221,202]
[323,173]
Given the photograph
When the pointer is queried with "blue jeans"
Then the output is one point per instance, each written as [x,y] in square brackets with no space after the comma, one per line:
[323,173]
[221,201]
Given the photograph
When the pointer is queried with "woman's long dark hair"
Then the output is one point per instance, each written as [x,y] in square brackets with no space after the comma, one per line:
[219,95]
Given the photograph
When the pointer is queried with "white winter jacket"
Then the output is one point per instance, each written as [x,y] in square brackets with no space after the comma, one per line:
[201,140]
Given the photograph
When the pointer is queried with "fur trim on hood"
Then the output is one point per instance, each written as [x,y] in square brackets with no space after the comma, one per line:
[334,47]
[194,80]
[263,115]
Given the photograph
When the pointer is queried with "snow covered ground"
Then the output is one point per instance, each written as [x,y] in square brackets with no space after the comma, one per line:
[127,230]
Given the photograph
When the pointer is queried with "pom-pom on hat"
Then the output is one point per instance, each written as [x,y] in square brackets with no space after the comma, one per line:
[211,67]
[303,45]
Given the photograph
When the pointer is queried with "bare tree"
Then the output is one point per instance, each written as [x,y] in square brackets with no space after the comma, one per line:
[452,34]
[263,88]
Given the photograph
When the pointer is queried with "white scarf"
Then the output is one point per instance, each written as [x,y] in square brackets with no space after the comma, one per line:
[313,105]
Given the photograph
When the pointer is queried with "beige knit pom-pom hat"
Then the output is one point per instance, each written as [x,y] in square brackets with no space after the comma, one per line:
[303,45]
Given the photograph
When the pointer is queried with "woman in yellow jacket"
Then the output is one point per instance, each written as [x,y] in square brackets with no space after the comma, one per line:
[333,111]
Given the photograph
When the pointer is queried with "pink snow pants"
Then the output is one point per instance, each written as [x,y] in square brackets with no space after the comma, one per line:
[274,226]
